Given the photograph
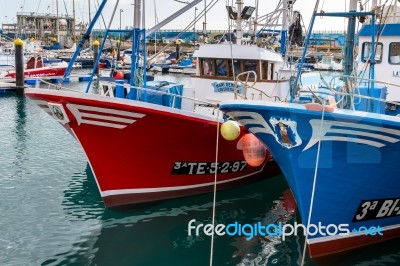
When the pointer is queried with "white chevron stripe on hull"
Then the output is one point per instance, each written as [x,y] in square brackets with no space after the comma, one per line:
[105,117]
[330,130]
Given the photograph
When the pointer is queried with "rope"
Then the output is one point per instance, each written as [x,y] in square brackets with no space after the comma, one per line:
[55,86]
[314,183]
[65,6]
[215,190]
[189,26]
[138,78]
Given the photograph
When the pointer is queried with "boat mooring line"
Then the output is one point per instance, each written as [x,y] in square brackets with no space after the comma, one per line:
[215,189]
[314,183]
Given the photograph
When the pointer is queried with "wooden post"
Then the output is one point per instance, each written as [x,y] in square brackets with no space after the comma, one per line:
[95,55]
[19,66]
[118,50]
[178,50]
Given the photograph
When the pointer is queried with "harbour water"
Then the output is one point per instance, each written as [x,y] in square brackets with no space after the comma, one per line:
[52,213]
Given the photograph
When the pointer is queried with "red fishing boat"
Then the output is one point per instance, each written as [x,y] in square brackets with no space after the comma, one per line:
[143,152]
[36,69]
[158,142]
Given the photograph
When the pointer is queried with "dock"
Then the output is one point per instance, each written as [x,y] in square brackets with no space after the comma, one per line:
[7,87]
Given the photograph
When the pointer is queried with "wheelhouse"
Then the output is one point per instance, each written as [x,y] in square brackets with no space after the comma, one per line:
[229,61]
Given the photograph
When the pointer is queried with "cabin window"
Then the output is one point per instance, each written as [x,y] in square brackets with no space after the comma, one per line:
[394,53]
[250,65]
[208,67]
[236,67]
[221,67]
[366,52]
[267,70]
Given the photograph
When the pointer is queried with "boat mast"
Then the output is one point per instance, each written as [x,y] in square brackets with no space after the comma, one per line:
[349,44]
[85,37]
[348,64]
[73,23]
[285,7]
[239,32]
[143,15]
[205,18]
[90,21]
[256,18]
[155,22]
[57,23]
[136,43]
[349,56]
[172,17]
[137,14]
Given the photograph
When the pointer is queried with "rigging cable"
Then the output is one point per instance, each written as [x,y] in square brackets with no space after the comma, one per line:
[66,10]
[315,174]
[209,6]
[314,182]
[215,189]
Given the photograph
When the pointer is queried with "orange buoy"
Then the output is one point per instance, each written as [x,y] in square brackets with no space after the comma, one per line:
[118,75]
[254,151]
[318,107]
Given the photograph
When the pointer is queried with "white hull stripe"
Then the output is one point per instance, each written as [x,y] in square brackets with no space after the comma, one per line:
[351,234]
[330,130]
[125,102]
[365,134]
[253,119]
[103,124]
[361,126]
[165,189]
[110,118]
[104,117]
[355,140]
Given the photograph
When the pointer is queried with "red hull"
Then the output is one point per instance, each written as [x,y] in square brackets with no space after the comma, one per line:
[142,152]
[39,72]
[346,243]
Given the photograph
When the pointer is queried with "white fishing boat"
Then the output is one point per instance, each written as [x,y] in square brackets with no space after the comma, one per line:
[328,63]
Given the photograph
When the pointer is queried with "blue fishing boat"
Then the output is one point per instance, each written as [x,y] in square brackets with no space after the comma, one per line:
[338,147]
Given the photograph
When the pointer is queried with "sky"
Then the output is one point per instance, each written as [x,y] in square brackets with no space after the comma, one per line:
[216,18]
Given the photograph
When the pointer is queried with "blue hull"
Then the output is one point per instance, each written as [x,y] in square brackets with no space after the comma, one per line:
[358,177]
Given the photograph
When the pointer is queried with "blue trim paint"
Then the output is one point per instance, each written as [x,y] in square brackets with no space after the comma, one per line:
[302,59]
[85,37]
[349,172]
[119,89]
[283,42]
[387,30]
[372,67]
[97,60]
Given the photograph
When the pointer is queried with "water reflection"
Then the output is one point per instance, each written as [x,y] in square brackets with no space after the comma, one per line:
[158,233]
[52,213]
[20,129]
[82,199]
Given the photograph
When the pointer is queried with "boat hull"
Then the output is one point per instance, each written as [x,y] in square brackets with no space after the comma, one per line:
[39,72]
[356,182]
[141,152]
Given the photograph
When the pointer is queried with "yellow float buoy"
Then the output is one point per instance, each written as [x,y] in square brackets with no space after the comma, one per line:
[230,130]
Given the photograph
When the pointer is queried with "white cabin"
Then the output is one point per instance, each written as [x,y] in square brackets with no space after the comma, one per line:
[218,65]
[387,52]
